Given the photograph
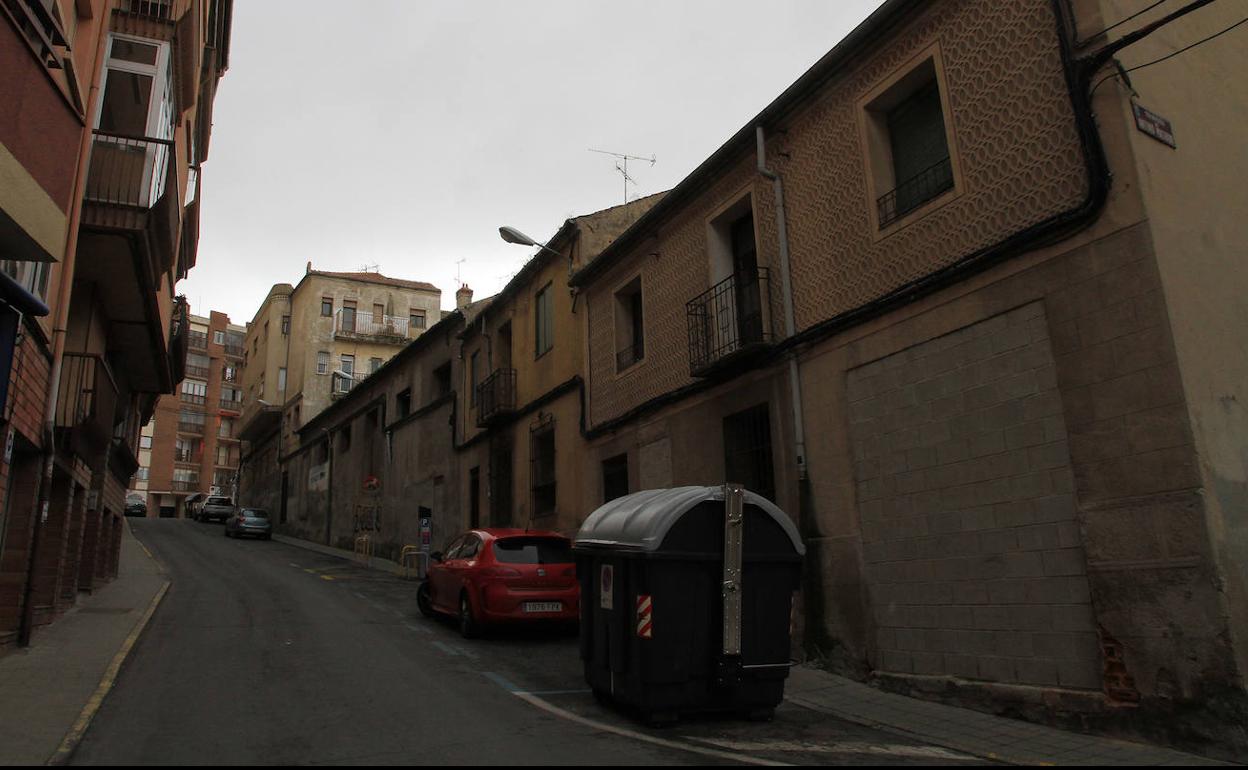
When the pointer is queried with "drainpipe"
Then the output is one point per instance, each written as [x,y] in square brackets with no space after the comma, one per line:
[60,322]
[786,284]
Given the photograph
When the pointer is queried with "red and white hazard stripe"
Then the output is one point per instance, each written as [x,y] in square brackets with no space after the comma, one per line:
[645,623]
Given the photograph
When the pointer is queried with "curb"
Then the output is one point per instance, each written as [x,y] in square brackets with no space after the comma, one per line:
[69,744]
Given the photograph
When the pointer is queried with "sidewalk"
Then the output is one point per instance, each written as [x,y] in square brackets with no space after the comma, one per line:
[49,691]
[972,732]
[374,562]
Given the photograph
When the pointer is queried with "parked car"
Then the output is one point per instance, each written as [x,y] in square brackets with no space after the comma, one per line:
[498,576]
[136,508]
[249,522]
[216,509]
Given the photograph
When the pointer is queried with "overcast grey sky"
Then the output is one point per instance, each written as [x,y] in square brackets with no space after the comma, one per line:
[403,133]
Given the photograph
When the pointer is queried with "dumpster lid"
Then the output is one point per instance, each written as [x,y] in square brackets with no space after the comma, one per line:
[642,520]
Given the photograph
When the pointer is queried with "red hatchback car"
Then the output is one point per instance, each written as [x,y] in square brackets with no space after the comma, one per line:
[494,576]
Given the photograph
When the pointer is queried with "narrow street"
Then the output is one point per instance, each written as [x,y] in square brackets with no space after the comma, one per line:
[269,654]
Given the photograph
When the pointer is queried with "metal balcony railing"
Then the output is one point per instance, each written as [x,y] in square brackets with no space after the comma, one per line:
[496,396]
[732,316]
[179,327]
[197,371]
[193,398]
[197,340]
[387,328]
[234,350]
[631,354]
[127,170]
[87,400]
[184,485]
[232,404]
[914,192]
[160,10]
[187,455]
[191,427]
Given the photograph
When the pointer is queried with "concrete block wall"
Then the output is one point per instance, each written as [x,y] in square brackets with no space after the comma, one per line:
[969,530]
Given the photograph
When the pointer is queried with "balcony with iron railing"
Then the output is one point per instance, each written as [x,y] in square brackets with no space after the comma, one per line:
[156,10]
[86,402]
[195,428]
[350,324]
[232,405]
[193,398]
[729,320]
[234,350]
[496,396]
[197,371]
[914,192]
[197,340]
[185,485]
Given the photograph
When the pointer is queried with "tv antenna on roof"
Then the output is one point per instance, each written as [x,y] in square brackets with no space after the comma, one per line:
[621,166]
[374,268]
[458,265]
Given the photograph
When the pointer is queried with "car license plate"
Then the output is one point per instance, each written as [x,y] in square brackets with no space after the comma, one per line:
[543,606]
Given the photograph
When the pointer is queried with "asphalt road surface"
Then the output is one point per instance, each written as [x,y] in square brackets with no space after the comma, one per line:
[264,653]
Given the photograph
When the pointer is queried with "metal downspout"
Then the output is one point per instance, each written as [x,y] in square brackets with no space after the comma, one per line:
[786,284]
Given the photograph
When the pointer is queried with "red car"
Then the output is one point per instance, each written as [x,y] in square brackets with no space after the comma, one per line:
[494,576]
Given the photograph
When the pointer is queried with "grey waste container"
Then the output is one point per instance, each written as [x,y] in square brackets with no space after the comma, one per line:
[686,601]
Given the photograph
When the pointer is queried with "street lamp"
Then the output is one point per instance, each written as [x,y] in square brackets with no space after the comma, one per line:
[512,235]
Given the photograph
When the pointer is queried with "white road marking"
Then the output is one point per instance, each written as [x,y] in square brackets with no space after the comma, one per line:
[621,731]
[415,627]
[854,747]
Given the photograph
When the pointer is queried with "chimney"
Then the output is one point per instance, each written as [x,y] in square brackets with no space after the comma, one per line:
[463,297]
[308,269]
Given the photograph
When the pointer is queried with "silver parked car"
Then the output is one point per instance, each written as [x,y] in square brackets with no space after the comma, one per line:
[249,521]
[216,509]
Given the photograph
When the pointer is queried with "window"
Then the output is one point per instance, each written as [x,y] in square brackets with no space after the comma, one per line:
[31,276]
[908,143]
[348,315]
[630,335]
[442,380]
[186,450]
[281,379]
[347,365]
[143,474]
[322,362]
[403,403]
[136,106]
[542,473]
[218,338]
[226,429]
[327,306]
[614,477]
[379,312]
[285,324]
[373,365]
[229,374]
[145,442]
[543,321]
[416,319]
[747,451]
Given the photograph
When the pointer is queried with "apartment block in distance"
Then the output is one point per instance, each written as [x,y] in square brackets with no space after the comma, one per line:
[191,448]
[104,134]
[310,343]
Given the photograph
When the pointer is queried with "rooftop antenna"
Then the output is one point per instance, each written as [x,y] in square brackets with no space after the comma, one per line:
[459,263]
[621,166]
[374,268]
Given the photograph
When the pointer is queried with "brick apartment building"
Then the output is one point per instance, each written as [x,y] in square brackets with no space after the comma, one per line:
[107,123]
[191,448]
